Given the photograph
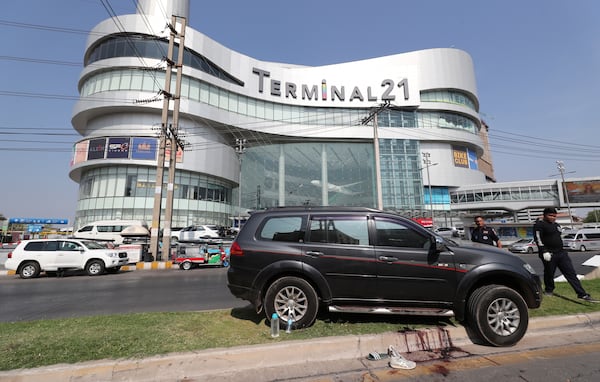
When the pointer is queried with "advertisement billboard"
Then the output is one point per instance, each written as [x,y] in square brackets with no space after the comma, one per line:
[96,148]
[144,148]
[583,191]
[117,148]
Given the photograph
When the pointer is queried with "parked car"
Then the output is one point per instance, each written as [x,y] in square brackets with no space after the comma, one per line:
[30,257]
[108,230]
[445,231]
[523,246]
[293,260]
[199,233]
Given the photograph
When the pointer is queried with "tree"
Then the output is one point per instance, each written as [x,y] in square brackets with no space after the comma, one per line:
[592,217]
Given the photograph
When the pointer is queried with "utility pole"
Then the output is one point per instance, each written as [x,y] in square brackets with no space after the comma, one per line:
[561,168]
[176,143]
[427,163]
[373,116]
[240,148]
[160,163]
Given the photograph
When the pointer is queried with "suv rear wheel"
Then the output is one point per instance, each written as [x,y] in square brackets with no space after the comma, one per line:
[292,297]
[498,315]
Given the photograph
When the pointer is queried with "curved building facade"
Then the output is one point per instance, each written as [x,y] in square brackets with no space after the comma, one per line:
[397,132]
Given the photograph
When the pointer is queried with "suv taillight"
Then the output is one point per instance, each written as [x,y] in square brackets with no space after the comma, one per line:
[235,249]
[9,255]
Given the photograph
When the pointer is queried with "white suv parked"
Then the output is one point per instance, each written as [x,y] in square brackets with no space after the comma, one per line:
[31,257]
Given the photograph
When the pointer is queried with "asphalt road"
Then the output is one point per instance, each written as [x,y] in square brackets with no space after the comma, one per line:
[77,294]
[139,291]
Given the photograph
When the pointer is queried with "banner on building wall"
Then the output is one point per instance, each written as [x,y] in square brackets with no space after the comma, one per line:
[81,152]
[96,148]
[144,148]
[178,158]
[472,159]
[118,148]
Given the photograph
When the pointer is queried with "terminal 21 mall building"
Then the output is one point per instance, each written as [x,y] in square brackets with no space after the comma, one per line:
[398,132]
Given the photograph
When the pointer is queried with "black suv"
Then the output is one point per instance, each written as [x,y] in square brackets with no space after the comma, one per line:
[291,261]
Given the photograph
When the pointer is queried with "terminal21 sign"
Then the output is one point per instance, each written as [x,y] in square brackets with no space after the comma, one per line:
[389,90]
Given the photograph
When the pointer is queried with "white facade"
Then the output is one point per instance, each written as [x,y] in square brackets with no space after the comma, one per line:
[305,140]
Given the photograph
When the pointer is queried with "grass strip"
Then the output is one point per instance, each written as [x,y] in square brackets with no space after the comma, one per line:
[48,342]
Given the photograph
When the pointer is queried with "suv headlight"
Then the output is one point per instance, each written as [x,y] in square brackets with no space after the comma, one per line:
[113,254]
[529,268]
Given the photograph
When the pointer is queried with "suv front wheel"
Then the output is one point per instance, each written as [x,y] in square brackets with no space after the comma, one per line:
[292,297]
[94,268]
[498,315]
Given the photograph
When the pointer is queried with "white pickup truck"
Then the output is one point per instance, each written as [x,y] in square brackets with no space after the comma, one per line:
[30,257]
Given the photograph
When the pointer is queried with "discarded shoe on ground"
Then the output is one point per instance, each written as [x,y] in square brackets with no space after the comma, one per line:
[397,361]
[375,356]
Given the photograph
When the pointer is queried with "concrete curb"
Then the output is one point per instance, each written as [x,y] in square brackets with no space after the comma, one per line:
[268,360]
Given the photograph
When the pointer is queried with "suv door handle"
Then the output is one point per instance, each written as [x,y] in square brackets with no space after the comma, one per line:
[314,253]
[389,259]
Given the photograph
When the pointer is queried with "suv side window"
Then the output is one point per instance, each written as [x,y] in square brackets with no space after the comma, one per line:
[51,246]
[34,246]
[286,228]
[394,234]
[339,230]
[68,246]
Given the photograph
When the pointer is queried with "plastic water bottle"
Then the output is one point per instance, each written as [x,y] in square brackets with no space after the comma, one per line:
[274,325]
[288,329]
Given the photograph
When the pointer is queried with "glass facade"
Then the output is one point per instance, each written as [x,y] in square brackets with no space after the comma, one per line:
[310,172]
[200,91]
[139,45]
[402,186]
[127,192]
[295,174]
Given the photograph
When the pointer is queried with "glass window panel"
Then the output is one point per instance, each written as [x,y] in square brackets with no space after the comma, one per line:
[243,105]
[233,103]
[104,86]
[126,80]
[195,90]
[204,92]
[115,80]
[214,96]
[148,83]
[223,99]
[136,81]
[185,87]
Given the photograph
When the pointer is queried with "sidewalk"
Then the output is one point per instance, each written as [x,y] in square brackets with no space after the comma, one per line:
[299,360]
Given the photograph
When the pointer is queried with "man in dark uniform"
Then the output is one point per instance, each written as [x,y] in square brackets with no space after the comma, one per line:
[547,235]
[484,234]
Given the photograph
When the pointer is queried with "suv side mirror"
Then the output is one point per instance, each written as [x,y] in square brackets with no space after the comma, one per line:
[437,243]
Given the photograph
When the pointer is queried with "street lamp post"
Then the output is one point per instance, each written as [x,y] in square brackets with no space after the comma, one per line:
[561,168]
[427,163]
[240,148]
